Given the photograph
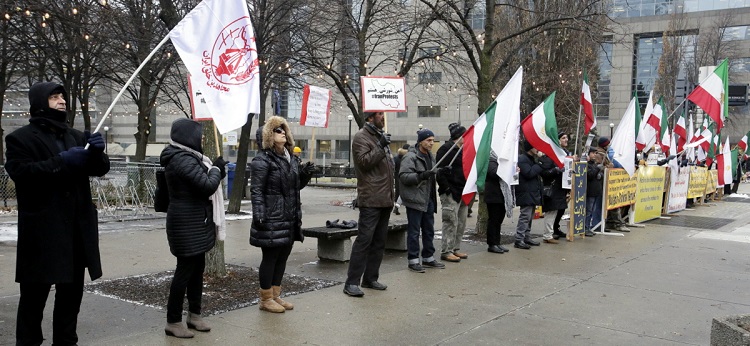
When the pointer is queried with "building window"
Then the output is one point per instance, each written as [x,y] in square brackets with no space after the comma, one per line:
[403,114]
[740,65]
[429,112]
[430,77]
[735,33]
[601,100]
[646,65]
[477,15]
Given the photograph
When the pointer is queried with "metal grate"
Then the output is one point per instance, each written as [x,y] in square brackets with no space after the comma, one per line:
[702,222]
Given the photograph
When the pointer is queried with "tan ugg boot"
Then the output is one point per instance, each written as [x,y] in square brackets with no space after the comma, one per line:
[276,294]
[267,303]
[178,330]
[194,321]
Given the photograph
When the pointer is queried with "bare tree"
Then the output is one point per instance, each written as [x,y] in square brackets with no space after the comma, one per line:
[12,52]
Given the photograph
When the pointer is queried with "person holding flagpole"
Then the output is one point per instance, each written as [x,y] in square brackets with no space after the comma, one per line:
[528,195]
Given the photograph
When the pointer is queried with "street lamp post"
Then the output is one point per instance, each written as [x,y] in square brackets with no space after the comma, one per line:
[350,118]
[106,139]
[420,127]
[611,130]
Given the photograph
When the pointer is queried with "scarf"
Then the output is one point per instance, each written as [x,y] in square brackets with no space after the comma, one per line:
[217,199]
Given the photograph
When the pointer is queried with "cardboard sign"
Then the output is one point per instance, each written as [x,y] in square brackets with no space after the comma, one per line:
[316,106]
[383,94]
[567,177]
[697,182]
[678,191]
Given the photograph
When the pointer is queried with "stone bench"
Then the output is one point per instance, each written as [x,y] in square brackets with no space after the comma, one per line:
[336,243]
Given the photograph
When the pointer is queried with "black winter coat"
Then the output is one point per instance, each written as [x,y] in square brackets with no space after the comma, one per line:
[190,226]
[56,219]
[492,191]
[594,180]
[451,180]
[529,189]
[551,176]
[275,194]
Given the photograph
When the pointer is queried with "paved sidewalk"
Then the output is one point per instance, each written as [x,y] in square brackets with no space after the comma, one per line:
[658,285]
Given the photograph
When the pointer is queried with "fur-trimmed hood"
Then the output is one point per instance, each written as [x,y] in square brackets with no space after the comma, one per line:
[272,123]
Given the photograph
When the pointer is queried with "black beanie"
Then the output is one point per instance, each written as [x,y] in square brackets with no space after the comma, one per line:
[424,134]
[456,130]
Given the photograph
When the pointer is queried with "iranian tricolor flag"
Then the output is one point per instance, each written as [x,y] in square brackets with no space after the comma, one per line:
[725,164]
[495,130]
[680,131]
[646,132]
[664,135]
[711,95]
[540,129]
[587,105]
[743,142]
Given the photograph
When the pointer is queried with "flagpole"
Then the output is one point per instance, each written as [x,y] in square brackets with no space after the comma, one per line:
[676,108]
[130,80]
[578,129]
[443,158]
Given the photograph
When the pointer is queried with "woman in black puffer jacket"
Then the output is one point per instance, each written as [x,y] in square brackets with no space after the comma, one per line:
[193,181]
[277,178]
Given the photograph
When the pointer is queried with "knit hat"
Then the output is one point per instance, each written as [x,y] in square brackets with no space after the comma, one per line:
[405,146]
[527,146]
[424,134]
[456,130]
[593,150]
[369,114]
[603,142]
[561,134]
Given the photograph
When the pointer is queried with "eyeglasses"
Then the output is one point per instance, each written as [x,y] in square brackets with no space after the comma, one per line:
[279,130]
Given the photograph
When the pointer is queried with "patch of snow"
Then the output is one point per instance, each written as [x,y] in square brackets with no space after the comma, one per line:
[8,233]
[739,195]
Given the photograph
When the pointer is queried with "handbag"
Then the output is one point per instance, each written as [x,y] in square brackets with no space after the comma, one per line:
[161,195]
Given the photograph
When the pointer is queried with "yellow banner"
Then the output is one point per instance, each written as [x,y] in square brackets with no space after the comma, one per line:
[712,181]
[697,184]
[620,188]
[649,193]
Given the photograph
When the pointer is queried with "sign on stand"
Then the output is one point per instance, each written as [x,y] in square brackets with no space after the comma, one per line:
[578,201]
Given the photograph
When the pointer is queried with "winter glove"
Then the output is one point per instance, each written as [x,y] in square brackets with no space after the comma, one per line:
[385,139]
[75,157]
[559,170]
[445,171]
[95,141]
[222,165]
[308,168]
[426,174]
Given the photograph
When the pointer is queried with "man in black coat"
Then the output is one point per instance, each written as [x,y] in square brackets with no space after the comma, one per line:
[451,181]
[58,234]
[594,191]
[528,195]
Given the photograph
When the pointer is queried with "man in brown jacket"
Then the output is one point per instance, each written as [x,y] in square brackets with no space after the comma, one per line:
[373,165]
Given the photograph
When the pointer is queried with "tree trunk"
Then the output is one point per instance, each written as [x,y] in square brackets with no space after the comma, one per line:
[215,265]
[144,124]
[238,185]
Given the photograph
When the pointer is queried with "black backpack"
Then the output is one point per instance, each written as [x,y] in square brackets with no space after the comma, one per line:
[161,195]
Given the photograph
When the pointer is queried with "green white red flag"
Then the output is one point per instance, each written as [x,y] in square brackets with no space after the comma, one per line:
[725,164]
[680,131]
[587,105]
[540,129]
[711,94]
[647,130]
[495,130]
[743,142]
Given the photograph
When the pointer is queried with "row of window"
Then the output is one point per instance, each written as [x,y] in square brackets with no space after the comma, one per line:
[643,8]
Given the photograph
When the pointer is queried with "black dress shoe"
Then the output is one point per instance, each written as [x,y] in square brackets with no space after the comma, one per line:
[374,285]
[521,245]
[557,234]
[495,249]
[353,291]
[589,233]
[531,242]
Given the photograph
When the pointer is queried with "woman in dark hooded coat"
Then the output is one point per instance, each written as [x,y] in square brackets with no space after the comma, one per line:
[277,178]
[195,210]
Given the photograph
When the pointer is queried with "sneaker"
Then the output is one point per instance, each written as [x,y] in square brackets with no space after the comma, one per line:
[622,228]
[374,285]
[434,264]
[450,257]
[589,233]
[416,267]
[353,291]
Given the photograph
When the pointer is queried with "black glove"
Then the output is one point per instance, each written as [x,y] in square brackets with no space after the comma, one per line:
[221,165]
[95,141]
[308,168]
[426,174]
[75,157]
[559,170]
[445,171]
[385,139]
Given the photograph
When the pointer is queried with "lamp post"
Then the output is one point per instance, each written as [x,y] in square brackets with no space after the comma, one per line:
[420,127]
[350,118]
[106,139]
[611,130]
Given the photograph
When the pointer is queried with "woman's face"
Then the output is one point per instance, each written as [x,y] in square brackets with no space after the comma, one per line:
[279,135]
[564,141]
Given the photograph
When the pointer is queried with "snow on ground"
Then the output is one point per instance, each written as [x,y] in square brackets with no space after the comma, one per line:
[8,233]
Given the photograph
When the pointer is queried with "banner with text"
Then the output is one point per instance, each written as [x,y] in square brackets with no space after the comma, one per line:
[578,200]
[698,181]
[649,194]
[383,94]
[316,106]
[678,191]
[620,188]
[712,182]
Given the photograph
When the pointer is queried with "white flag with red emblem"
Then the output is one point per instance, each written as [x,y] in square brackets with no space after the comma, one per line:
[216,41]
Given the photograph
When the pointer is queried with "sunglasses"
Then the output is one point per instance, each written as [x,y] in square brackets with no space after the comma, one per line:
[279,130]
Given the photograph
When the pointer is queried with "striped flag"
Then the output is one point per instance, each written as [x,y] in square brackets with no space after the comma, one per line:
[680,131]
[725,164]
[587,105]
[743,142]
[711,94]
[646,133]
[540,129]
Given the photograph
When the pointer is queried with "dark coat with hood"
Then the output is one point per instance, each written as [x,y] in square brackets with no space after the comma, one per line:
[552,176]
[451,180]
[415,192]
[374,168]
[190,225]
[493,193]
[276,181]
[529,189]
[57,222]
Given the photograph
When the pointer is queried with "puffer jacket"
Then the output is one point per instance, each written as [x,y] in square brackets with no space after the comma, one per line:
[529,189]
[551,176]
[275,192]
[415,192]
[373,166]
[190,227]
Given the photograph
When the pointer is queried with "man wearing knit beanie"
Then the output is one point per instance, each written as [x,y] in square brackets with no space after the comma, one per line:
[528,195]
[417,179]
[451,183]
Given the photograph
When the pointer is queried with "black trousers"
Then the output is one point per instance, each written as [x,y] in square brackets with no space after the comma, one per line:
[369,246]
[558,217]
[188,277]
[496,215]
[273,265]
[68,298]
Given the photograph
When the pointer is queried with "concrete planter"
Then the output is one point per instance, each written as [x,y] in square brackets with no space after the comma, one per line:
[729,331]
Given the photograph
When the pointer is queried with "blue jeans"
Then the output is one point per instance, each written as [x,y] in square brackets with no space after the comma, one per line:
[593,212]
[426,222]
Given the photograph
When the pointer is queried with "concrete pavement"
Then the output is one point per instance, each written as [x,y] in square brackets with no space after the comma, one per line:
[659,285]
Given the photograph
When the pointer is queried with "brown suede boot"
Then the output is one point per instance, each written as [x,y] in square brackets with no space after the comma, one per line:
[194,321]
[276,294]
[178,330]
[267,303]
